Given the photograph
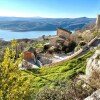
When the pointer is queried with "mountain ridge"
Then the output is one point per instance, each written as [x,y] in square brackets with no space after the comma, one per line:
[43,24]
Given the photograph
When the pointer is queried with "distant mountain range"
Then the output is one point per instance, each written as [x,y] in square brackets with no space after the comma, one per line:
[43,24]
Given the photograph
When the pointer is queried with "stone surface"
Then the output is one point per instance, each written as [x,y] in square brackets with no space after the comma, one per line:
[63,33]
[94,96]
[98,22]
[45,60]
[87,35]
[92,71]
[28,64]
[93,64]
[53,41]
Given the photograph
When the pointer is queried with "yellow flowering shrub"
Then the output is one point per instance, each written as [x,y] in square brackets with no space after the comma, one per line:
[13,85]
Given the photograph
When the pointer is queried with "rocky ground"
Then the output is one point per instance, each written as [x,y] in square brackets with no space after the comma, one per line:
[92,75]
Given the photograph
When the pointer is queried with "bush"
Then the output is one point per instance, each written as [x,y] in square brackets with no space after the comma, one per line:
[13,85]
[94,81]
[70,90]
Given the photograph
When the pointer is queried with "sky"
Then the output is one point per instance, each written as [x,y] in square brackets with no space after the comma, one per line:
[50,8]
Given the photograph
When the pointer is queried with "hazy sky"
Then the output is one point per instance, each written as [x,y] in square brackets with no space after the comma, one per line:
[50,8]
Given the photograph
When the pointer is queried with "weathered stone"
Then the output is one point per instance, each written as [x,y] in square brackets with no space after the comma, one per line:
[93,64]
[53,41]
[94,96]
[38,63]
[66,42]
[51,49]
[63,33]
[28,64]
[46,47]
[30,53]
[98,22]
[45,60]
[60,41]
[30,49]
[92,76]
[87,35]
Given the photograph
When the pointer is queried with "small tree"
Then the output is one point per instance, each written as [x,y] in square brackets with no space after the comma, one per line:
[13,85]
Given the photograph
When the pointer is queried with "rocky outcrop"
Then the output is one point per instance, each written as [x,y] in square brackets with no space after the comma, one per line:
[28,64]
[87,35]
[30,60]
[53,41]
[92,70]
[64,40]
[93,65]
[98,22]
[92,77]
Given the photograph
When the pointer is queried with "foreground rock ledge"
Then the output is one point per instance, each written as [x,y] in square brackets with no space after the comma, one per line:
[94,96]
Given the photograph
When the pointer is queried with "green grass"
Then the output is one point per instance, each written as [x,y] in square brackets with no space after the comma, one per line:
[38,45]
[49,76]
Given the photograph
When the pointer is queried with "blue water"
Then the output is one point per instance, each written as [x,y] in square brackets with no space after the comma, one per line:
[9,35]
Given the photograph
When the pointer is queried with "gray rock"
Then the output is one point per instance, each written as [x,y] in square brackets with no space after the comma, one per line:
[94,96]
[45,60]
[38,63]
[28,64]
[93,64]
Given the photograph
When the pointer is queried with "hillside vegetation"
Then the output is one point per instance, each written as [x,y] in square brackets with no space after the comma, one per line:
[51,76]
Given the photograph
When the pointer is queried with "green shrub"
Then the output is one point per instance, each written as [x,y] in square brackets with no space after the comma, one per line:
[13,85]
[70,90]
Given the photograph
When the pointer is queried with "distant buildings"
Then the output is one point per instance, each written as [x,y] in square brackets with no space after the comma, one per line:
[62,35]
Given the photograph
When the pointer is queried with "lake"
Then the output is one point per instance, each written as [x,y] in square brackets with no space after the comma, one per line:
[9,35]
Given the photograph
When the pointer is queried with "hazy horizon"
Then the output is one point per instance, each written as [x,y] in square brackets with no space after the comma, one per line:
[47,17]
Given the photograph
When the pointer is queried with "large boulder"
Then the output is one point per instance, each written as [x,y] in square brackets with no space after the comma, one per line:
[51,50]
[45,60]
[93,64]
[28,64]
[92,76]
[46,47]
[69,47]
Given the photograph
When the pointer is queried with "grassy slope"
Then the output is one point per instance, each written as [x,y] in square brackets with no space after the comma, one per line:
[50,76]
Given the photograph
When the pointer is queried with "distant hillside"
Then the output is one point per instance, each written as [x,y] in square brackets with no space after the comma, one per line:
[43,24]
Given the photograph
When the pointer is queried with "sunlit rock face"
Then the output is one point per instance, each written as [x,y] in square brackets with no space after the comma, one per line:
[92,73]
[98,22]
[93,64]
[92,76]
[63,33]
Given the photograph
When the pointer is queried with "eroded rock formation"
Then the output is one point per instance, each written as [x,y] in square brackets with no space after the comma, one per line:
[93,65]
[98,22]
